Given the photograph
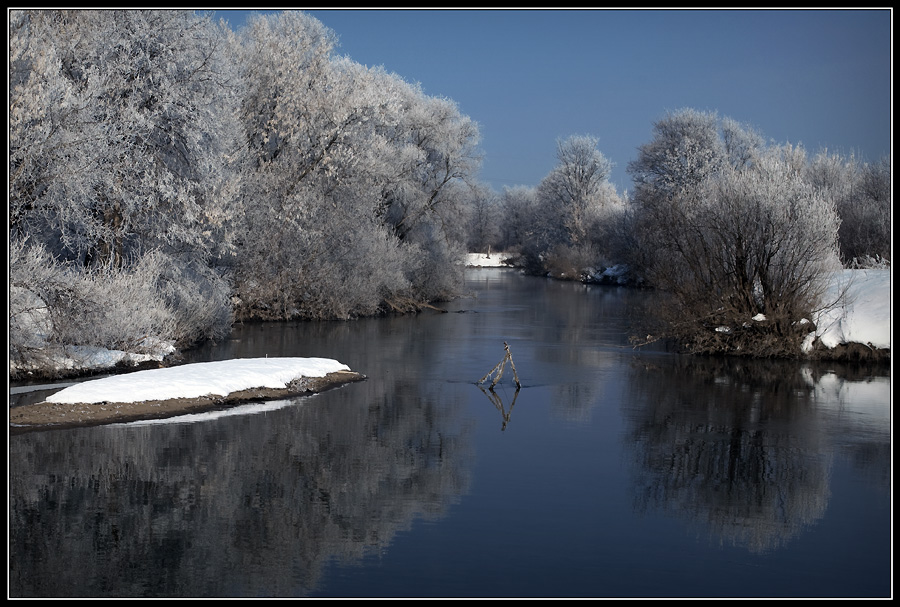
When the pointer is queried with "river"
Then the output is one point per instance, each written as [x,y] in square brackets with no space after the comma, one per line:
[611,472]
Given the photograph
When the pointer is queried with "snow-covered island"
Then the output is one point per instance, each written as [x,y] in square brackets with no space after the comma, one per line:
[191,388]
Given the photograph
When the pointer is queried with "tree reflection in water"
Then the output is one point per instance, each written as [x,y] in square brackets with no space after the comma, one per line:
[734,447]
[746,452]
[260,504]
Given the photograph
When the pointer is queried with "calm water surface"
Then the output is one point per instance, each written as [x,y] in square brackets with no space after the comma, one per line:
[612,472]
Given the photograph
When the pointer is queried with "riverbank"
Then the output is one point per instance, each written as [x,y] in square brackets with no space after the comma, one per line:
[858,330]
[853,326]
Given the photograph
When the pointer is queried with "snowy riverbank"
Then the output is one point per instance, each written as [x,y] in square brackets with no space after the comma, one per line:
[862,316]
[859,309]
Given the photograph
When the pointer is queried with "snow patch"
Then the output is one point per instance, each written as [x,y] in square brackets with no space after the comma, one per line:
[486,260]
[861,313]
[218,378]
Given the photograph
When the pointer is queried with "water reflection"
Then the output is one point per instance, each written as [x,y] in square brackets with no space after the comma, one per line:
[857,406]
[261,502]
[736,448]
[497,401]
[314,497]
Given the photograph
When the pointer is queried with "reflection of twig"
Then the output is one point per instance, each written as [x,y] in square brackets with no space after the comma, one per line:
[495,398]
[499,369]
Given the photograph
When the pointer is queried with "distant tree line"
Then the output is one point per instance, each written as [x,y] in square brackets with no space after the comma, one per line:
[566,226]
[168,175]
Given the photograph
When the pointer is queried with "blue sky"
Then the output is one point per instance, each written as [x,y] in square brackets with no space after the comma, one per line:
[820,78]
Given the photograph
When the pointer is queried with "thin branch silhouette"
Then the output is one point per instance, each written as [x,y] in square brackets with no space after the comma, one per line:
[498,369]
[498,402]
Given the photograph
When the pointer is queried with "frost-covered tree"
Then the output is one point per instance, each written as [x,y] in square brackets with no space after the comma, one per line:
[435,160]
[119,130]
[861,192]
[742,143]
[561,223]
[304,109]
[303,228]
[120,136]
[577,187]
[771,239]
[59,311]
[688,147]
[866,218]
[355,183]
[685,149]
[438,156]
[732,236]
[516,208]
[483,219]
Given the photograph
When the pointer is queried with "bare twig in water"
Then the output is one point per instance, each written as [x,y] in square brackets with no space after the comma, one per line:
[498,369]
[512,364]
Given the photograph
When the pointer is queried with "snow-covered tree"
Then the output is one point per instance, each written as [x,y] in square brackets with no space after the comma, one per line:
[119,130]
[438,153]
[686,148]
[742,234]
[861,192]
[577,187]
[353,178]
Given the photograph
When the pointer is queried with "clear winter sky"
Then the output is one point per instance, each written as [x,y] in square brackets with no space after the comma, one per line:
[821,78]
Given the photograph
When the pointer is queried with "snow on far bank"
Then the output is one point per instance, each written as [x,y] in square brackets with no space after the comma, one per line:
[486,260]
[198,379]
[861,312]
